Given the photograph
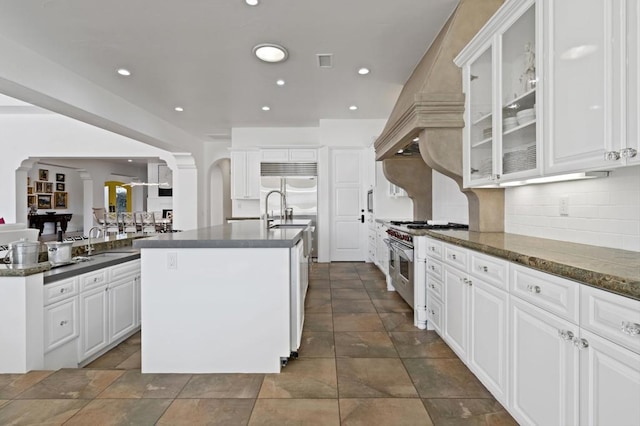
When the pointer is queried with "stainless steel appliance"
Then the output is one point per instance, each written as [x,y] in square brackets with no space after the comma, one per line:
[299,183]
[401,254]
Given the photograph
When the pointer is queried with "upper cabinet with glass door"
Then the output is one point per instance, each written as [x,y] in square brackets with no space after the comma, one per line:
[500,71]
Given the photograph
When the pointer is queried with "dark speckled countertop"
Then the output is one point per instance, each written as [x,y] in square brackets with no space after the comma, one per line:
[614,270]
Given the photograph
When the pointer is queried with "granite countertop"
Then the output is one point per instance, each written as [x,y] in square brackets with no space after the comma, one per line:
[243,234]
[614,270]
[110,244]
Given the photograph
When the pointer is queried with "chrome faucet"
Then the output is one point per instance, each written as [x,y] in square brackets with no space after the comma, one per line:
[283,205]
[89,247]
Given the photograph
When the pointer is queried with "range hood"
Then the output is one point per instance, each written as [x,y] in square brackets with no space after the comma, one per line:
[431,107]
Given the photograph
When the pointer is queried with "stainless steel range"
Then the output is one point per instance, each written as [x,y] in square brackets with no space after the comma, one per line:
[406,270]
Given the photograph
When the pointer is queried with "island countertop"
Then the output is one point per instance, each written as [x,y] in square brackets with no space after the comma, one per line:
[243,234]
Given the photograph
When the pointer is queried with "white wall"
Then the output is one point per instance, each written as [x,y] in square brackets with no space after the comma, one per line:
[449,203]
[385,206]
[602,212]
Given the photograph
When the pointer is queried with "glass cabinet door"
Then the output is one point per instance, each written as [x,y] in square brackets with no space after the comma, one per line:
[481,116]
[518,96]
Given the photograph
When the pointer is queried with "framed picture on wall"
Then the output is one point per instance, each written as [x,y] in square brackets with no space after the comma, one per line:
[29,189]
[44,201]
[43,174]
[59,186]
[165,179]
[60,200]
[31,200]
[48,188]
[59,177]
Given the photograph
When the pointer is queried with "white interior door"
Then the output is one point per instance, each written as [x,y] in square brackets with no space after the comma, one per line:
[347,229]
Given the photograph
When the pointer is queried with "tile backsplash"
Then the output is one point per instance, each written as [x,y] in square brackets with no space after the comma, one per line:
[602,212]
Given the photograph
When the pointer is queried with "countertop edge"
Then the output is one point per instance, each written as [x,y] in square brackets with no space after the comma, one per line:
[611,283]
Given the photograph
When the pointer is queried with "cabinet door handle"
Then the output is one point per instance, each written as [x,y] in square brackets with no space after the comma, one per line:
[433,268]
[630,328]
[483,268]
[63,323]
[453,256]
[580,343]
[566,335]
[62,290]
[628,153]
[612,155]
[534,288]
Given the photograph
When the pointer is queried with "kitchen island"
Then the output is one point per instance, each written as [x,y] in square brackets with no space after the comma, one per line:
[222,299]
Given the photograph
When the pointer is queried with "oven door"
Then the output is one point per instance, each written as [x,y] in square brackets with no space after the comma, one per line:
[402,279]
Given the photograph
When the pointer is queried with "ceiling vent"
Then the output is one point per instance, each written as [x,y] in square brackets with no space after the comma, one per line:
[325,60]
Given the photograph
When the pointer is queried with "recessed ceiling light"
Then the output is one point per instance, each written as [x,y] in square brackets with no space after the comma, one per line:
[353,107]
[269,52]
[124,71]
[130,160]
[179,109]
[400,151]
[416,139]
[364,71]
[251,2]
[280,82]
[266,108]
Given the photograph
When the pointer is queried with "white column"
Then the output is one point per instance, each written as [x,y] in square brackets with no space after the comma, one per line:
[20,194]
[87,201]
[185,192]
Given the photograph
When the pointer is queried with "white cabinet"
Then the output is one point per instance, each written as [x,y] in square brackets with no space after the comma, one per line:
[245,174]
[396,191]
[60,323]
[609,383]
[591,86]
[284,155]
[109,311]
[500,80]
[371,240]
[382,250]
[456,311]
[299,286]
[544,367]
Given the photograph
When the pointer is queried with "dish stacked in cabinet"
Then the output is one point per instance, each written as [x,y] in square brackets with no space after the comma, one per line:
[551,350]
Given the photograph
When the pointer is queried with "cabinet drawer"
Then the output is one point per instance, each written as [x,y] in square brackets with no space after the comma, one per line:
[434,269]
[557,295]
[489,269]
[60,290]
[455,256]
[125,269]
[434,313]
[435,288]
[60,323]
[613,317]
[434,248]
[274,155]
[93,279]
[303,155]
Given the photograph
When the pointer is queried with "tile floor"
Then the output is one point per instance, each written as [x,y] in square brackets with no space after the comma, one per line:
[362,362]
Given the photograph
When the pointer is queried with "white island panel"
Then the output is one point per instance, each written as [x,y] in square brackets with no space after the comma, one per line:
[218,310]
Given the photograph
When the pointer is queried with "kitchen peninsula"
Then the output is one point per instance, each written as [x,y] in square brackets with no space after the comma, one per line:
[223,299]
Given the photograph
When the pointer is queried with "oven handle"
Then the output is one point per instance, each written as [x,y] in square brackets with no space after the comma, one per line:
[398,248]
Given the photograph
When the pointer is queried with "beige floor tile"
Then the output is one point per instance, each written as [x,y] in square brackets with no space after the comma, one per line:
[3,402]
[444,378]
[316,283]
[39,411]
[72,384]
[472,412]
[323,293]
[364,344]
[317,306]
[355,306]
[11,385]
[357,322]
[302,378]
[371,276]
[349,293]
[134,412]
[373,378]
[379,284]
[134,362]
[383,411]
[383,305]
[384,294]
[317,344]
[222,386]
[344,275]
[307,412]
[318,322]
[420,344]
[134,384]
[188,412]
[351,283]
[398,321]
[115,356]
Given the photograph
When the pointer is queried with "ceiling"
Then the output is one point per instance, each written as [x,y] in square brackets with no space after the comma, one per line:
[197,54]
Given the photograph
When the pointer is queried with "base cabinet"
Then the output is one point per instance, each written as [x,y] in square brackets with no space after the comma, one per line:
[544,367]
[122,310]
[456,313]
[94,332]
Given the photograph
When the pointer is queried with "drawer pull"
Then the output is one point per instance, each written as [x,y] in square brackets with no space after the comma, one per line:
[565,335]
[95,279]
[63,289]
[432,286]
[630,328]
[432,267]
[534,288]
[483,268]
[63,323]
[453,256]
[432,248]
[580,343]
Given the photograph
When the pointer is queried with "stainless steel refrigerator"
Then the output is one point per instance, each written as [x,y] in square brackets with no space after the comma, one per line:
[299,183]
